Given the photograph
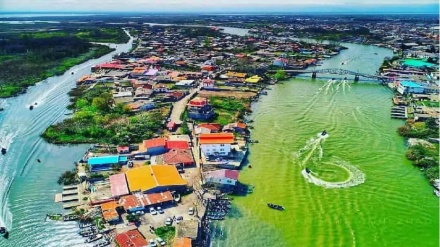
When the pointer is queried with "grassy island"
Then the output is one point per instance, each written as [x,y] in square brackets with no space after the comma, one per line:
[28,58]
[98,118]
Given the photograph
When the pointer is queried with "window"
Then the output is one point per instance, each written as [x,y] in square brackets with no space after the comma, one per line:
[222,149]
[229,181]
[222,145]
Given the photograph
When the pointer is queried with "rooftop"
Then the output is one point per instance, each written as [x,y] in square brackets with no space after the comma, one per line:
[148,177]
[119,185]
[132,238]
[216,138]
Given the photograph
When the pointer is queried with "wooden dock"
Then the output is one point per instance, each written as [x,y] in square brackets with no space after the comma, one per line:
[69,197]
[58,197]
[399,112]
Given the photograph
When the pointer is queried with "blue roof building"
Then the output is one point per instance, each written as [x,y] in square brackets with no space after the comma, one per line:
[406,87]
[104,163]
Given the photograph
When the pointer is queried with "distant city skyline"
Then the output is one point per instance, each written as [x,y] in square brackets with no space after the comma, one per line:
[355,6]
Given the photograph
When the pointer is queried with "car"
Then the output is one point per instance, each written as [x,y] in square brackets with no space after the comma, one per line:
[179,219]
[168,221]
[191,211]
[139,212]
[153,211]
[160,241]
[160,210]
[152,243]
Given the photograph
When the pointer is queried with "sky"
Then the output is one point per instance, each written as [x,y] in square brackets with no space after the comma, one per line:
[220,5]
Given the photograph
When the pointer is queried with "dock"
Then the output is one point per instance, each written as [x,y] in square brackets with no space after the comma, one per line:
[399,112]
[69,197]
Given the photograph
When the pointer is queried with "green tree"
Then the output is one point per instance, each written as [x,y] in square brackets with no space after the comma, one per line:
[280,75]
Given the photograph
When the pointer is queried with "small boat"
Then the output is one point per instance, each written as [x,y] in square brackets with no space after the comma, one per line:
[31,107]
[92,239]
[324,133]
[36,103]
[38,160]
[274,206]
[3,151]
[4,232]
[375,53]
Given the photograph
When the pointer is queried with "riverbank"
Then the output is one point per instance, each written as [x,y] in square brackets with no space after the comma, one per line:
[40,55]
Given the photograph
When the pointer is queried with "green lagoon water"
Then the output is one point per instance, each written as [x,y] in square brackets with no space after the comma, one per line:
[388,202]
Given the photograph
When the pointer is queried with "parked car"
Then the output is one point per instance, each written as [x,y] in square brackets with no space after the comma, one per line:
[168,221]
[152,243]
[179,219]
[191,211]
[160,210]
[160,241]
[139,212]
[153,211]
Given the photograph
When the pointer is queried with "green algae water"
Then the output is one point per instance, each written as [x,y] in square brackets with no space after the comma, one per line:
[361,190]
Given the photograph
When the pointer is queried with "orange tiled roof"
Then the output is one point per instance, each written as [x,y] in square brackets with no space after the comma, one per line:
[148,177]
[216,138]
[182,242]
[109,210]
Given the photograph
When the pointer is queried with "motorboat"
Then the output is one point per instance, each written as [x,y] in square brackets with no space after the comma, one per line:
[31,107]
[274,206]
[324,133]
[3,151]
[4,232]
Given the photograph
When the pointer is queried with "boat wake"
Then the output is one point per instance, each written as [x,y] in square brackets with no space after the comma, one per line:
[311,156]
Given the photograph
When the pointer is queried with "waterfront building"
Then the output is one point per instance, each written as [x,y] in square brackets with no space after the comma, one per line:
[178,157]
[109,211]
[104,163]
[407,87]
[217,144]
[153,146]
[223,177]
[155,178]
[132,238]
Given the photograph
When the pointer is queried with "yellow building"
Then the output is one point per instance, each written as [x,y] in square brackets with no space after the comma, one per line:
[154,178]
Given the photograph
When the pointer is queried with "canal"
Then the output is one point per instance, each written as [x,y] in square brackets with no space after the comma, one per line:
[27,188]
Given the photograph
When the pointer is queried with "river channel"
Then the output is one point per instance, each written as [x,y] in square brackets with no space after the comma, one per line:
[361,191]
[27,188]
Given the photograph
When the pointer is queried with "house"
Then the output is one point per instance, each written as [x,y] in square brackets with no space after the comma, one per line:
[141,202]
[207,128]
[118,185]
[171,126]
[155,178]
[178,156]
[174,96]
[406,87]
[222,177]
[132,238]
[141,105]
[104,163]
[153,146]
[123,149]
[177,144]
[216,143]
[199,108]
[185,83]
[237,127]
[208,83]
[109,211]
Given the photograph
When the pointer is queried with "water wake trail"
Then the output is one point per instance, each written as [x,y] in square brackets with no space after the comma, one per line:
[311,155]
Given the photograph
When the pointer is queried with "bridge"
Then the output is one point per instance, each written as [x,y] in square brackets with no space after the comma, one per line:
[337,72]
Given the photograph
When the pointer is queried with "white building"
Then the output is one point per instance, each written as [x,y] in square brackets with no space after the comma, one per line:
[217,144]
[222,177]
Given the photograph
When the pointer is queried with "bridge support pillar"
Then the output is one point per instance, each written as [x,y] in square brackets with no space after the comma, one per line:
[356,78]
[314,75]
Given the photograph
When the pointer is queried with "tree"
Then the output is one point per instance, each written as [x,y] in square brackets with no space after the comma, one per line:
[132,218]
[280,75]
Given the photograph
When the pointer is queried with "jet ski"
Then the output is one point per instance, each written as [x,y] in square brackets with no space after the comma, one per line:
[3,151]
[308,170]
[324,133]
[4,232]
[31,107]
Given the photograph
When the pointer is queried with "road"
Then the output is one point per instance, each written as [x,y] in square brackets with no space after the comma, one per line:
[179,107]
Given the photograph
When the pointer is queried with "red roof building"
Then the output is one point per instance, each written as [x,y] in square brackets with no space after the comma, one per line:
[118,185]
[198,102]
[132,203]
[177,145]
[156,142]
[132,238]
[178,156]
